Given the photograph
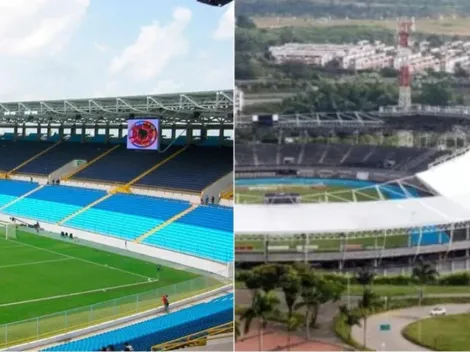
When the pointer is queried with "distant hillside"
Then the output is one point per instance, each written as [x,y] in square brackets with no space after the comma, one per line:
[360,9]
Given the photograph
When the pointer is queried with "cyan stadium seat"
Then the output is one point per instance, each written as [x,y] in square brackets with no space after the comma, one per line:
[142,336]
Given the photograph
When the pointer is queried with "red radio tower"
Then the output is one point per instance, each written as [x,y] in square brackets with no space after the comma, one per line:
[404,29]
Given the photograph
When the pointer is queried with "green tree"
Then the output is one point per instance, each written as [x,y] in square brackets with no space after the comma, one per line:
[292,324]
[291,287]
[423,274]
[368,302]
[350,317]
[263,305]
[269,275]
[316,291]
[237,329]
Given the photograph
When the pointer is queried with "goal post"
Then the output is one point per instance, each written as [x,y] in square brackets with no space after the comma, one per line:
[7,230]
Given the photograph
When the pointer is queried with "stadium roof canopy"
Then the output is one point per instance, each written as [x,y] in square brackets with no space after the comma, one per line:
[214,107]
[333,218]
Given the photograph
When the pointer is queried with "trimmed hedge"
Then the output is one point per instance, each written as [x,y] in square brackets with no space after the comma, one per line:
[458,279]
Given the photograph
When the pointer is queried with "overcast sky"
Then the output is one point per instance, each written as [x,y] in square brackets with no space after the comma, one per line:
[62,49]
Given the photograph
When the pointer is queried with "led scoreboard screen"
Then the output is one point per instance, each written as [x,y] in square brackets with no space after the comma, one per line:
[143,134]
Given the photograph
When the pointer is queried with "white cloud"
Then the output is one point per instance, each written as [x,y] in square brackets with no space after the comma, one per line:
[226,28]
[38,27]
[100,47]
[167,86]
[155,48]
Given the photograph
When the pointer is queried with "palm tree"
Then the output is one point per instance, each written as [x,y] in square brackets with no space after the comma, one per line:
[291,286]
[293,323]
[237,329]
[263,304]
[350,317]
[365,277]
[316,290]
[369,301]
[423,274]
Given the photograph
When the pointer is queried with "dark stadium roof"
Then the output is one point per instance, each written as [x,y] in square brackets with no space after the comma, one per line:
[423,118]
[214,107]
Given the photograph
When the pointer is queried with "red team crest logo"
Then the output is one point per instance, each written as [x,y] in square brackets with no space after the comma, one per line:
[143,134]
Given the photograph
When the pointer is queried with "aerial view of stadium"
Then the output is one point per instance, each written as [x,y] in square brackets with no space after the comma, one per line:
[116,214]
[352,219]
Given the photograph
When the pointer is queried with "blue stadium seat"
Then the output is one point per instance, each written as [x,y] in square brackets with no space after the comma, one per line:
[15,153]
[130,163]
[53,203]
[193,170]
[61,155]
[10,190]
[127,216]
[142,336]
[205,232]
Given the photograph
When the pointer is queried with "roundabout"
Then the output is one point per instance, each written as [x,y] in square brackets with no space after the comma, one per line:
[379,339]
[444,333]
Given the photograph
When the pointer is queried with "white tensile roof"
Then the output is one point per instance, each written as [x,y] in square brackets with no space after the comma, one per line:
[350,217]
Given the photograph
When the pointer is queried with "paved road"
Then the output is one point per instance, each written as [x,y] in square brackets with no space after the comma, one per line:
[393,340]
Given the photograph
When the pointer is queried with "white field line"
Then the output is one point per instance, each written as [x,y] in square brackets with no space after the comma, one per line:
[35,263]
[76,294]
[82,260]
[14,246]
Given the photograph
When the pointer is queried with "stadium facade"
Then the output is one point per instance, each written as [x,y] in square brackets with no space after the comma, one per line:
[429,210]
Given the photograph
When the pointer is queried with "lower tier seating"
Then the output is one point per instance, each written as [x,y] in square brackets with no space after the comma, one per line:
[127,216]
[142,336]
[194,240]
[53,203]
[10,190]
[206,232]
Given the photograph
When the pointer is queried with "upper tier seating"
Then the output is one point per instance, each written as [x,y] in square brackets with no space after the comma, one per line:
[347,155]
[130,163]
[205,232]
[192,170]
[127,216]
[62,154]
[142,336]
[53,203]
[10,190]
[14,154]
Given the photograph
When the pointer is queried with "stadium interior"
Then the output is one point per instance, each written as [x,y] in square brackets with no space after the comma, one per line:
[75,174]
[357,163]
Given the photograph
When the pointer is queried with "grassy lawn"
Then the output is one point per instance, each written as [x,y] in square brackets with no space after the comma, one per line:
[43,276]
[446,26]
[332,244]
[446,333]
[309,194]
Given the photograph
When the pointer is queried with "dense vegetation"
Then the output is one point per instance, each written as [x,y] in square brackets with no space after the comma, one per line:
[306,290]
[362,9]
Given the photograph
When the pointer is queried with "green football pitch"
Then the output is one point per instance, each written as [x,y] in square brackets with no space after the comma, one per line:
[398,240]
[310,194]
[51,286]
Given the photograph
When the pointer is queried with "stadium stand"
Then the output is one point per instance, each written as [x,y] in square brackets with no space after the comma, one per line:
[360,156]
[127,216]
[62,154]
[11,190]
[130,163]
[53,203]
[205,232]
[142,336]
[178,173]
[15,153]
